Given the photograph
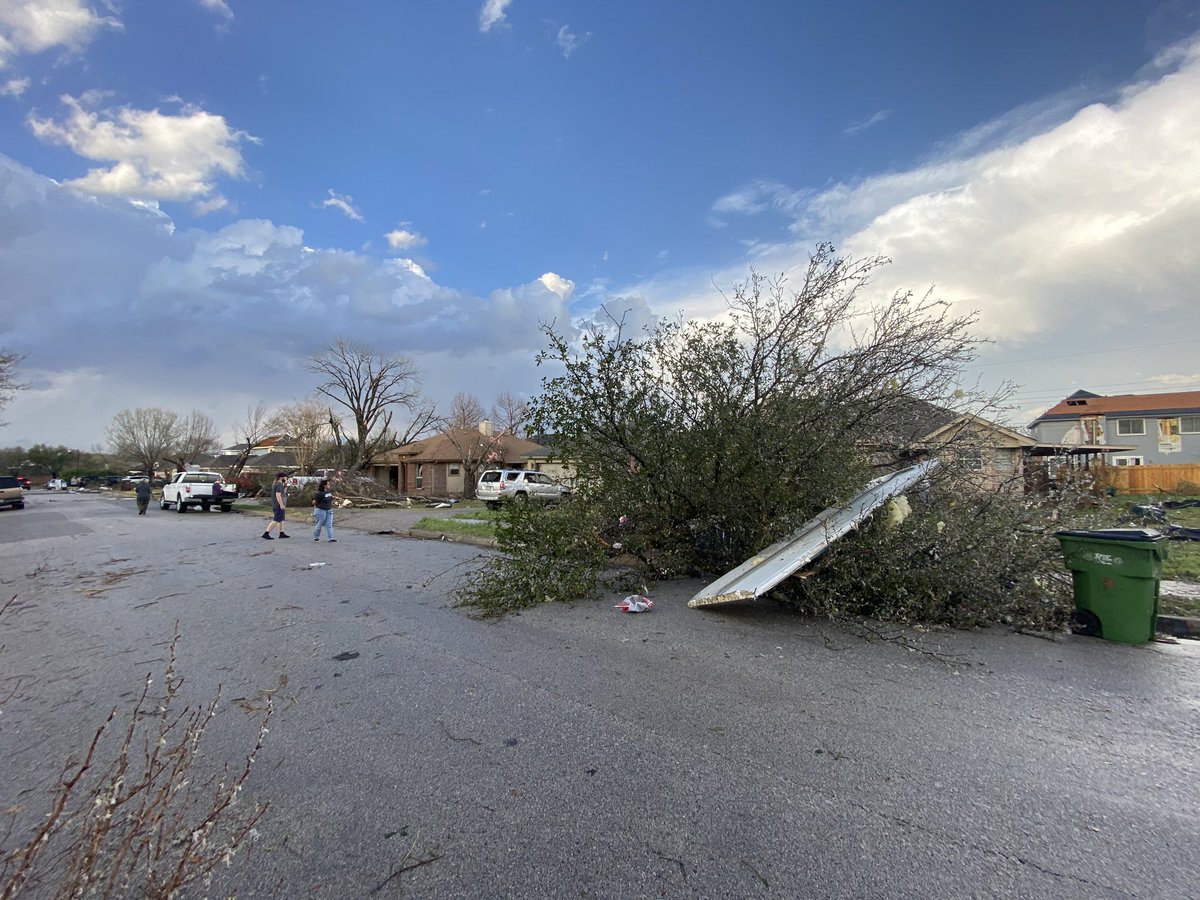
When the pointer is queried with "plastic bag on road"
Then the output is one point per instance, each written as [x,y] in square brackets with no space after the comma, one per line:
[635,603]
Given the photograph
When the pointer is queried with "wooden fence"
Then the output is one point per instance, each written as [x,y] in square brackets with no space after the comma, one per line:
[1156,479]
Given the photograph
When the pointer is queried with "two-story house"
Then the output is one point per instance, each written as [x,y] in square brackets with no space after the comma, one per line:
[1143,429]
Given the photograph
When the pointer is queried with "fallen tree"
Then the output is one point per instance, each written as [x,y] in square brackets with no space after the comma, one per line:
[697,444]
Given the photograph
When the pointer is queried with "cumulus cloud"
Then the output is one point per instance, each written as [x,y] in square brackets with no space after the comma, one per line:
[125,276]
[568,42]
[343,203]
[403,238]
[14,87]
[34,26]
[1092,221]
[154,155]
[492,14]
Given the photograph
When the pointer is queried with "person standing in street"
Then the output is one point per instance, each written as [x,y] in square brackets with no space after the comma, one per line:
[142,493]
[323,513]
[278,507]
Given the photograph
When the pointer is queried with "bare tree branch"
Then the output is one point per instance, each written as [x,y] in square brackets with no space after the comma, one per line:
[369,386]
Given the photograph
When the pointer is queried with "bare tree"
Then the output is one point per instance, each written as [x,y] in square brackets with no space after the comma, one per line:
[307,424]
[510,413]
[195,436]
[249,433]
[143,436]
[8,377]
[465,411]
[424,419]
[369,386]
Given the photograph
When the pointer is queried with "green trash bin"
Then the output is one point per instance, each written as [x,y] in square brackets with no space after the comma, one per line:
[1116,574]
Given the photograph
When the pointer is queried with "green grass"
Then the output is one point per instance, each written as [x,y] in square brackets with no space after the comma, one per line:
[1178,606]
[1183,557]
[1188,517]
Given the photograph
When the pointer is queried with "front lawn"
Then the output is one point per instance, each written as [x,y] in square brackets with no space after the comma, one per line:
[479,523]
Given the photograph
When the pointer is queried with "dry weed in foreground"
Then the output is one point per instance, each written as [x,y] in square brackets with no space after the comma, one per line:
[150,822]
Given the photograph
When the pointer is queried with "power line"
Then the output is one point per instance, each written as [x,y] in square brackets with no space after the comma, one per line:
[1013,362]
[1048,393]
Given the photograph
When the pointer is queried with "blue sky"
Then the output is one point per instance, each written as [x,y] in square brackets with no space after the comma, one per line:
[197,194]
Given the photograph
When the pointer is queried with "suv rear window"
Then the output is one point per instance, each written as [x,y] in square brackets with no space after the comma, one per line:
[490,476]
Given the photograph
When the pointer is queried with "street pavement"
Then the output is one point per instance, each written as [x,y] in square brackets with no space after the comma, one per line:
[576,751]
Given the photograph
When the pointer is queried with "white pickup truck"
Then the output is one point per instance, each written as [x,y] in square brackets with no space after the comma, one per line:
[196,489]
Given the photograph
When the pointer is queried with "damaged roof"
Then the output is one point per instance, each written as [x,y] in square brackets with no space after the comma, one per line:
[1085,403]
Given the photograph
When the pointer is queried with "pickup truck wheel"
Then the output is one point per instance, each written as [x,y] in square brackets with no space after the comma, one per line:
[163,504]
[226,507]
[180,506]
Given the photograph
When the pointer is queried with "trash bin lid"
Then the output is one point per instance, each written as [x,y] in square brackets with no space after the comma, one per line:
[1115,534]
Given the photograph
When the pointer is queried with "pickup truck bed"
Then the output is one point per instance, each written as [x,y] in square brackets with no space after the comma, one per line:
[196,489]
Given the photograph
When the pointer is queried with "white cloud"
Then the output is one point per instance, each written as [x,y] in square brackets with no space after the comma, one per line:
[34,26]
[1068,224]
[871,120]
[403,239]
[344,203]
[123,275]
[556,284]
[492,14]
[220,7]
[154,156]
[14,87]
[568,42]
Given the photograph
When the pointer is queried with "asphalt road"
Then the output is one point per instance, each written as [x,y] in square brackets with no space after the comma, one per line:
[574,751]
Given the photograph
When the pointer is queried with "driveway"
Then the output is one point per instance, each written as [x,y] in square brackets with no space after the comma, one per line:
[577,751]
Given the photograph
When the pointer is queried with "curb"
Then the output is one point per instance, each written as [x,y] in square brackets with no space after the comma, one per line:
[1179,626]
[441,536]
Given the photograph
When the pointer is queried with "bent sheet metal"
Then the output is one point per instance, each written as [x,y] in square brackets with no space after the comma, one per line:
[764,570]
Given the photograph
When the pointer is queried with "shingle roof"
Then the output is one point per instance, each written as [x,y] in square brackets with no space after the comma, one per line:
[1083,403]
[449,446]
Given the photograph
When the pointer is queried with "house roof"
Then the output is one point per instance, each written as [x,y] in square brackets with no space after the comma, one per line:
[1004,436]
[449,446]
[1085,403]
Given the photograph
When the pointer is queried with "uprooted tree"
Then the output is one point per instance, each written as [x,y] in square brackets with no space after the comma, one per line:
[697,444]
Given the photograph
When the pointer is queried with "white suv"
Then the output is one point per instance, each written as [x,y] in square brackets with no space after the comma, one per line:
[517,484]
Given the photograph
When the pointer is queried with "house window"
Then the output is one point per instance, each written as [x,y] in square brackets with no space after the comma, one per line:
[453,468]
[1189,424]
[1127,461]
[1131,426]
[970,459]
[419,476]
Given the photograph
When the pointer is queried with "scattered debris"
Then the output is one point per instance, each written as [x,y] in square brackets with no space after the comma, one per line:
[348,655]
[635,603]
[763,571]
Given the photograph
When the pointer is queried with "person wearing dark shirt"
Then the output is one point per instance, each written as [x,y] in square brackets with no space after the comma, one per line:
[323,511]
[278,507]
[142,493]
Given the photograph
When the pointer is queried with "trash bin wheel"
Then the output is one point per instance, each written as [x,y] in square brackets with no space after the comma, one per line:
[1085,622]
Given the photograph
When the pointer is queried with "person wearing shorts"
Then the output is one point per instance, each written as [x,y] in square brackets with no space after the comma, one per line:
[278,508]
